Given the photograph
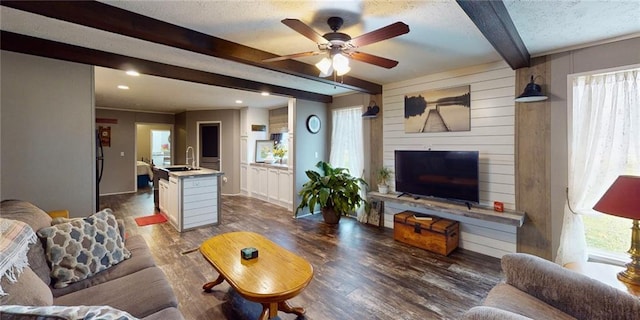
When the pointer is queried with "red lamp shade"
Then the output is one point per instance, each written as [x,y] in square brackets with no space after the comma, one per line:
[622,199]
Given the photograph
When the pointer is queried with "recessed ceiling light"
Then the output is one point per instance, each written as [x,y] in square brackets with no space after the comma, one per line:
[133,73]
[264,93]
[123,87]
[238,101]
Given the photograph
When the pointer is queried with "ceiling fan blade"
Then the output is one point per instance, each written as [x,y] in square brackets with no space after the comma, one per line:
[304,30]
[390,31]
[375,60]
[293,56]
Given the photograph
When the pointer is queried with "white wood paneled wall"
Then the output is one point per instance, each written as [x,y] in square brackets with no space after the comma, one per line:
[492,134]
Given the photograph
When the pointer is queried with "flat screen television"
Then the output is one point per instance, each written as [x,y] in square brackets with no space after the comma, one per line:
[451,175]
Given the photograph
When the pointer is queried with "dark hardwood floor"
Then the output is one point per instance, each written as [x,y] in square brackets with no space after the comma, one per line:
[360,272]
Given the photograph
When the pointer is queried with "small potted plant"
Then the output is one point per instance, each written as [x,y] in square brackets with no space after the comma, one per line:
[384,174]
[334,190]
[279,152]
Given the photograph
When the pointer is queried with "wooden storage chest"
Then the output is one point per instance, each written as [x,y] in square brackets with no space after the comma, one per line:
[437,235]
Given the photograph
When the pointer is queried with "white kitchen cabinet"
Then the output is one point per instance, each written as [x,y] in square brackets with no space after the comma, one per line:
[173,210]
[163,193]
[285,189]
[271,183]
[190,201]
[259,184]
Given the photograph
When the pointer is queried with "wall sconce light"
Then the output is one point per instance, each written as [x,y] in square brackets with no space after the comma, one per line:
[532,93]
[372,110]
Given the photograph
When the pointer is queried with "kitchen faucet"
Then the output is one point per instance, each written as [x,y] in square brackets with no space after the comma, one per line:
[193,157]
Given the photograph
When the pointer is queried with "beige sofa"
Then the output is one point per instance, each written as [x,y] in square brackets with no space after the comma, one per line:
[535,288]
[134,285]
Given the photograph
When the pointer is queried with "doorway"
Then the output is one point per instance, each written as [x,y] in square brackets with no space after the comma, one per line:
[161,147]
[209,141]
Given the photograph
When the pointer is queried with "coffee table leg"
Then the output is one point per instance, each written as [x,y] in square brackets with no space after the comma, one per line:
[287,308]
[209,285]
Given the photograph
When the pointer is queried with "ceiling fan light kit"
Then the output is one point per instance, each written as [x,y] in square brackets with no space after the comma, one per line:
[341,46]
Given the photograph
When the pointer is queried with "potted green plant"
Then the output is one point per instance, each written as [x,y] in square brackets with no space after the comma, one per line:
[384,174]
[334,190]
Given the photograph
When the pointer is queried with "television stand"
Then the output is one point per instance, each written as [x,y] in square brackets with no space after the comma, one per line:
[508,217]
[410,195]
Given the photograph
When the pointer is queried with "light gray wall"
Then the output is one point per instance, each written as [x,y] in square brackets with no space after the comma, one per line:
[47,134]
[120,170]
[230,148]
[308,145]
[612,55]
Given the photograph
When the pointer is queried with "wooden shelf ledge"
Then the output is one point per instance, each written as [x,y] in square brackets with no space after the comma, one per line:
[509,217]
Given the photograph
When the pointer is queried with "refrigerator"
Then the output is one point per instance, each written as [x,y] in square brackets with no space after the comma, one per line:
[99,168]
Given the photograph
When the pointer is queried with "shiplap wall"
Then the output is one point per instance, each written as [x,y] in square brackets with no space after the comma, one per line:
[492,134]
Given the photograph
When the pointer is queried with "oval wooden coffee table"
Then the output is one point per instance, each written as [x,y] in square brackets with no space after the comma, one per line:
[271,279]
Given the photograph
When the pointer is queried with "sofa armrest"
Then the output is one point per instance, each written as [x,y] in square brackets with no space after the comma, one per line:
[491,313]
[59,214]
[573,293]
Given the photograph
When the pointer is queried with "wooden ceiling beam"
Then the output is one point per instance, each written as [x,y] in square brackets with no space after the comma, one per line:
[112,19]
[62,51]
[493,20]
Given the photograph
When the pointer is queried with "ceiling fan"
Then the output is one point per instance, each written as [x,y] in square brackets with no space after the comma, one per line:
[340,45]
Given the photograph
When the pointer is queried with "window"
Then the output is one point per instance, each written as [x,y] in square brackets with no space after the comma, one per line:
[604,127]
[347,150]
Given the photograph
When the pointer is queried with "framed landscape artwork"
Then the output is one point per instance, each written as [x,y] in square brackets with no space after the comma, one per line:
[263,149]
[442,110]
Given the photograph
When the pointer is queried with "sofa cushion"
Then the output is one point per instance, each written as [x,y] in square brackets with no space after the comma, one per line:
[82,247]
[490,313]
[571,292]
[36,219]
[28,290]
[140,259]
[67,313]
[141,294]
[506,297]
[165,314]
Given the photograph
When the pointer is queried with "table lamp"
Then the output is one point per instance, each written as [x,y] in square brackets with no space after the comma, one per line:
[623,200]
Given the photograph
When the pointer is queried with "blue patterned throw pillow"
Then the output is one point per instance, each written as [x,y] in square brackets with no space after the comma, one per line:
[79,248]
[63,313]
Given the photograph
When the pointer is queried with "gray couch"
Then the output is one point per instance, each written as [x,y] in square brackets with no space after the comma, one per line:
[535,288]
[134,285]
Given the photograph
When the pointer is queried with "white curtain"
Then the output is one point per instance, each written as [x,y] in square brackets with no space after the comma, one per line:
[604,143]
[347,150]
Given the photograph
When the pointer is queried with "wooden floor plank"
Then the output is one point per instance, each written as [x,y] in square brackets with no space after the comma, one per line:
[360,272]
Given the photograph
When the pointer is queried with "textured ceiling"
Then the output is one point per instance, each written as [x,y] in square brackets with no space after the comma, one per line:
[442,37]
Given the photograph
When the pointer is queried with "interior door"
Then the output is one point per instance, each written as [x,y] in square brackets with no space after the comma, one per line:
[209,145]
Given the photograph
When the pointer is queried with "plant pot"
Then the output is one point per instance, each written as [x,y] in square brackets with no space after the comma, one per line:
[330,216]
[383,188]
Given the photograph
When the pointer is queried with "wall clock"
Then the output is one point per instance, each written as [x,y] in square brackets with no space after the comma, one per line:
[313,124]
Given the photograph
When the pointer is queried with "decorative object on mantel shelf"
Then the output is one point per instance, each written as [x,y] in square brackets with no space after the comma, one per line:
[334,190]
[623,200]
[383,174]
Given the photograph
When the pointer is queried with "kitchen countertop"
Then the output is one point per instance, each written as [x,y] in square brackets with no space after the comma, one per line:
[191,173]
[282,166]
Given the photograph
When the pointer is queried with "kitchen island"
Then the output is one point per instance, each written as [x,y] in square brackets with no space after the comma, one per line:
[189,197]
